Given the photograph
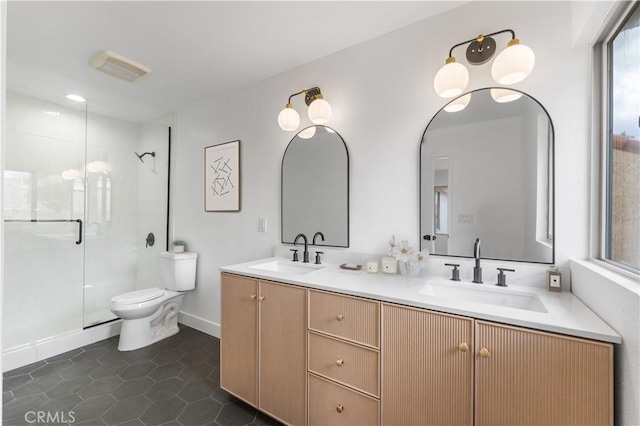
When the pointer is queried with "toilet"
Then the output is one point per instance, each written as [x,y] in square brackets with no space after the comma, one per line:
[151,314]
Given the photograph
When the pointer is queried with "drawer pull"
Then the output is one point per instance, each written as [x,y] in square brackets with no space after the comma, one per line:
[253,297]
[339,362]
[484,353]
[340,408]
[261,298]
[463,347]
[339,317]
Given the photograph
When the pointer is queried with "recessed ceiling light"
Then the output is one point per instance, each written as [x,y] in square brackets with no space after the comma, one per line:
[76,98]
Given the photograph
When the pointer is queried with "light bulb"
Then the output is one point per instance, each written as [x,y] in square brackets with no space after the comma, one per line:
[319,111]
[451,79]
[513,64]
[505,95]
[288,119]
[458,104]
[308,133]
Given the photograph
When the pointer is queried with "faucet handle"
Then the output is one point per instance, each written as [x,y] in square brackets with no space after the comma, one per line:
[455,273]
[318,253]
[502,278]
[295,254]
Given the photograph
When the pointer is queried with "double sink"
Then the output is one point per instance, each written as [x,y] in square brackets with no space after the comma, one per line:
[439,288]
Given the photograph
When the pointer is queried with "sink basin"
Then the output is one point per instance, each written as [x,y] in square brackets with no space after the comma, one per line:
[488,296]
[288,267]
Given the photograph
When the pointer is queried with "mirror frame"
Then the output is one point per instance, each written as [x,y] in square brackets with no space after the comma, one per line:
[346,150]
[552,184]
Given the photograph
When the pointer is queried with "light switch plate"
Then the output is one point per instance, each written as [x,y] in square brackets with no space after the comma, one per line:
[262,224]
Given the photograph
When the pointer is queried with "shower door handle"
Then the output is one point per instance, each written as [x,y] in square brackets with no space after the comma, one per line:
[51,221]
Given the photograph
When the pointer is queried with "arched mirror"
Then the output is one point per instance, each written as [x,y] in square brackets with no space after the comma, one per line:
[486,171]
[315,187]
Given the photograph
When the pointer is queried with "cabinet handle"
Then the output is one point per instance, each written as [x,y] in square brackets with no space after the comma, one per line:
[261,298]
[253,297]
[463,347]
[484,353]
[339,317]
[340,408]
[339,362]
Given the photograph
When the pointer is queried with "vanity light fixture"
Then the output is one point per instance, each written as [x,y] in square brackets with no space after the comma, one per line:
[319,110]
[512,65]
[75,98]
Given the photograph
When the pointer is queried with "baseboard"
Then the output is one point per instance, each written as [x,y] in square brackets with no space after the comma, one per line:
[37,351]
[199,324]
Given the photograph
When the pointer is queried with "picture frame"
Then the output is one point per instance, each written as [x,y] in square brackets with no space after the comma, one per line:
[222,177]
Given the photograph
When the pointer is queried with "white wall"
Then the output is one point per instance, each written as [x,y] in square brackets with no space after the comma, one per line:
[382,97]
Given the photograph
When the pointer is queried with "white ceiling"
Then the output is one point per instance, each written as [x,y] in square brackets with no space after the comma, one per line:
[194,49]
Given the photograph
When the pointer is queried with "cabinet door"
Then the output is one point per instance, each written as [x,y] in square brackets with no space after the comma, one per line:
[427,368]
[283,368]
[238,343]
[525,377]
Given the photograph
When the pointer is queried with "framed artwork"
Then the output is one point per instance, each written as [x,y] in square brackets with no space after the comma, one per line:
[222,177]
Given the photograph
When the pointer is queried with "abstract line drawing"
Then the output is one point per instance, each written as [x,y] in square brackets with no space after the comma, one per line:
[222,177]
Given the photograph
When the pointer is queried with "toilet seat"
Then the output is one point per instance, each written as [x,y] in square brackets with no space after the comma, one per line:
[138,296]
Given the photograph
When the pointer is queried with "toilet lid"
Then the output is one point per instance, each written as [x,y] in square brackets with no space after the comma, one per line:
[138,296]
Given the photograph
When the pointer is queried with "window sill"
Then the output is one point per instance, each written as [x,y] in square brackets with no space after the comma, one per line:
[618,276]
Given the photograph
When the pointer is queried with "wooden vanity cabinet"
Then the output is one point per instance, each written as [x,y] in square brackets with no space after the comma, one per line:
[427,368]
[264,360]
[527,377]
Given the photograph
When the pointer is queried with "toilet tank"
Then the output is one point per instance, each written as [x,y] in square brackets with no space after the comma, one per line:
[178,270]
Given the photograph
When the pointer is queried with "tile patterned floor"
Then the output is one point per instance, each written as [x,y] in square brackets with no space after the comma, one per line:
[172,382]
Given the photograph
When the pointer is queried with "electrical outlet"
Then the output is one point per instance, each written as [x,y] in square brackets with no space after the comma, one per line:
[262,224]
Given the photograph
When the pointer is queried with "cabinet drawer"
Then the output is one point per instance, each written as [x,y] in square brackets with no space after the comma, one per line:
[345,363]
[332,404]
[346,317]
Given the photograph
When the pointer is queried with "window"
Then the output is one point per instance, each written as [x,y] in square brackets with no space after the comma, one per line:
[621,148]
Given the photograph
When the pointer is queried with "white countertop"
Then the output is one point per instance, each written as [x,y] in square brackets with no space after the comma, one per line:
[565,313]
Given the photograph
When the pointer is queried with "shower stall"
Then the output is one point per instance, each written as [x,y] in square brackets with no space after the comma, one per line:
[79,205]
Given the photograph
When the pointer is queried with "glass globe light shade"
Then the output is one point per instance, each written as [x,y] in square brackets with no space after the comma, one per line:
[513,64]
[308,133]
[288,119]
[70,174]
[451,79]
[319,111]
[458,104]
[505,95]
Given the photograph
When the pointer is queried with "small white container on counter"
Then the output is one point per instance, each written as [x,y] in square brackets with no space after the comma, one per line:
[389,265]
[372,267]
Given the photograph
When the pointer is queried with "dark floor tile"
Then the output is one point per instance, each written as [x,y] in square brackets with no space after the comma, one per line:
[264,420]
[215,374]
[108,370]
[167,370]
[64,356]
[214,359]
[113,357]
[125,410]
[188,333]
[195,391]
[168,344]
[23,370]
[236,414]
[134,422]
[167,357]
[68,387]
[172,423]
[196,372]
[137,370]
[163,411]
[10,383]
[101,387]
[200,413]
[19,406]
[213,345]
[165,389]
[93,354]
[141,355]
[222,396]
[193,344]
[90,422]
[80,369]
[40,384]
[6,397]
[64,404]
[93,408]
[132,387]
[106,343]
[53,368]
[196,356]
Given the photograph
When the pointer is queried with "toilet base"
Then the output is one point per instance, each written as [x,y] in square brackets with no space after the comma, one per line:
[138,333]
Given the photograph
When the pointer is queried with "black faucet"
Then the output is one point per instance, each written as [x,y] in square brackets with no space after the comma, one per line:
[317,234]
[305,255]
[477,270]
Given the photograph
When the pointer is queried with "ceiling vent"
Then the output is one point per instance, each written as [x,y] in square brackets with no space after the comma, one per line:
[119,66]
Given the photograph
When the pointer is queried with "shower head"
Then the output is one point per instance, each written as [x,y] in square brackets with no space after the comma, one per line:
[153,154]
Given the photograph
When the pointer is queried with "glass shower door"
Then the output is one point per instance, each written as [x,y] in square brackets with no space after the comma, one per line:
[44,211]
